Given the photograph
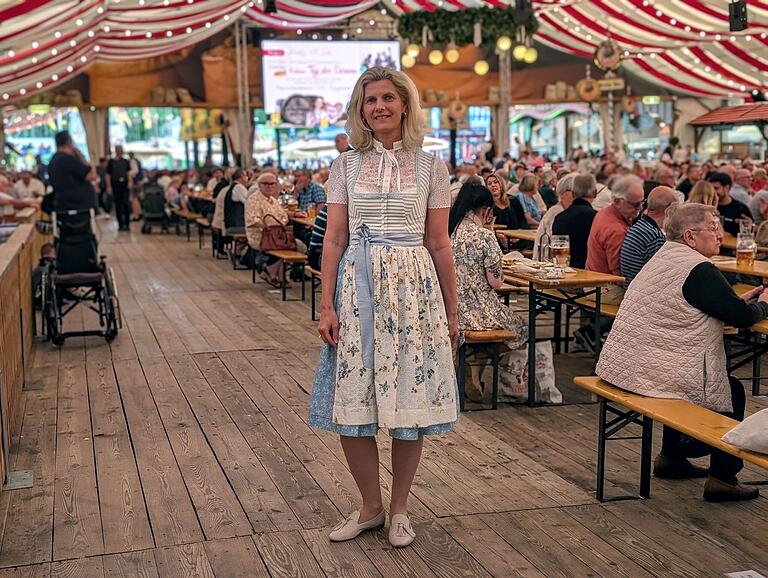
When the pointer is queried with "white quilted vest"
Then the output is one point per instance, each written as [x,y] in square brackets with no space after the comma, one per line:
[661,346]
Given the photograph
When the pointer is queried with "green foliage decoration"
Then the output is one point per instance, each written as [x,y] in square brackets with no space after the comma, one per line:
[459,26]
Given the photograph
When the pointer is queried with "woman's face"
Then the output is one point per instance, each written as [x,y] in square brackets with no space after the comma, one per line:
[706,237]
[268,186]
[494,187]
[382,108]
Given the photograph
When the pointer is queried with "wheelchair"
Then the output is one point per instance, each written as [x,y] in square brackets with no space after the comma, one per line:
[153,208]
[78,276]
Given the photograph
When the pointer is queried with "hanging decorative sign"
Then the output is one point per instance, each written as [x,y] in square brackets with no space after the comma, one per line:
[630,104]
[608,55]
[612,83]
[588,89]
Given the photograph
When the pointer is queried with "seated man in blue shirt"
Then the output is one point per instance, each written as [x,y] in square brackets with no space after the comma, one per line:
[646,236]
[308,192]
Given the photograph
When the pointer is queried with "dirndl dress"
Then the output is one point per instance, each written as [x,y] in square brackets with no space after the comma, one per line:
[393,367]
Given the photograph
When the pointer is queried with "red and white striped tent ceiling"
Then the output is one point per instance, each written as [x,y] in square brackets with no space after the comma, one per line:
[682,45]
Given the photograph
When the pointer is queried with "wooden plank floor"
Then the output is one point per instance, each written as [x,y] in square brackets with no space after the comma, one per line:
[183,450]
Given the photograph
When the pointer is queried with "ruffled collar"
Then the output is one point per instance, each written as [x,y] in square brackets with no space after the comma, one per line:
[379,147]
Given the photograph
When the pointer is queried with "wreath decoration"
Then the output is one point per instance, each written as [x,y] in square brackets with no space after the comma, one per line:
[479,26]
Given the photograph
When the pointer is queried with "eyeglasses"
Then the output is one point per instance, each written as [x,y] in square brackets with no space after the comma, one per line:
[714,227]
[637,205]
[268,182]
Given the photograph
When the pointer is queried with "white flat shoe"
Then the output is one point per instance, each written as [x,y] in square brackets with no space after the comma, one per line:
[401,532]
[349,528]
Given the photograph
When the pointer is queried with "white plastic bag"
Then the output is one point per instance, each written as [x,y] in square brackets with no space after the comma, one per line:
[751,434]
[513,378]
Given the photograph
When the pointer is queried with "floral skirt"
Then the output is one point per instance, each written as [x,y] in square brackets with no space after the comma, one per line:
[411,389]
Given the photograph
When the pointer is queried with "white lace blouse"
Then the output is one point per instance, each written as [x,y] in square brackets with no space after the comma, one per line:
[391,193]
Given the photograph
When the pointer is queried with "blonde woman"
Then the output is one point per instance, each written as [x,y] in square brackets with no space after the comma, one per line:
[703,192]
[528,191]
[389,310]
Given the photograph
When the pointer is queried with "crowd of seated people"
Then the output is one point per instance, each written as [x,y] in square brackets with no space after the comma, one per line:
[653,225]
[19,190]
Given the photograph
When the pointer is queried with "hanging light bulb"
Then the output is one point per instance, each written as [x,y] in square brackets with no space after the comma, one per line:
[407,60]
[504,43]
[435,57]
[481,67]
[531,55]
[452,53]
[412,50]
[518,53]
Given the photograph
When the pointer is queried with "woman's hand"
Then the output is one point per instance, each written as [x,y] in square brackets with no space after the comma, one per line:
[453,331]
[328,327]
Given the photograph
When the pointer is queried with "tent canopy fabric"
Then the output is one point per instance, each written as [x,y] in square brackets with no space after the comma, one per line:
[742,114]
[683,45]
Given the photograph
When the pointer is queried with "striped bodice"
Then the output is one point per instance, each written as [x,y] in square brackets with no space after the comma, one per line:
[390,191]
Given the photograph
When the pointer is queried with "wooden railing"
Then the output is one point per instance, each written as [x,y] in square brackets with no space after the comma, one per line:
[18,256]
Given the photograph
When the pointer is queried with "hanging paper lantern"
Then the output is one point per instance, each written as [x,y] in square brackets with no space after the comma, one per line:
[504,43]
[482,67]
[531,55]
[407,60]
[435,57]
[519,52]
[412,50]
[452,53]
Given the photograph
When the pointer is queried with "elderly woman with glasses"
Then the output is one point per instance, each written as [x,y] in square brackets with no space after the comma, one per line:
[262,209]
[667,342]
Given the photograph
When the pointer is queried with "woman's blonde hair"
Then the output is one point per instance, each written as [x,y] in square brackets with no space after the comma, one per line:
[703,192]
[527,183]
[412,125]
[503,188]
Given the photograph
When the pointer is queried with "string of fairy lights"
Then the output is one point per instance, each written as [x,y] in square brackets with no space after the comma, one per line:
[683,46]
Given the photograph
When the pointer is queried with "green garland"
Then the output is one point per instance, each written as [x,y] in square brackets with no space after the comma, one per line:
[458,26]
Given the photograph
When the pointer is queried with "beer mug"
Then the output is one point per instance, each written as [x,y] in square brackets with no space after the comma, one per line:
[746,248]
[746,227]
[311,210]
[560,250]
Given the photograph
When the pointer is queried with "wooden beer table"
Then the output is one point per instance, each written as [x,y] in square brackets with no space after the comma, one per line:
[729,265]
[306,221]
[729,242]
[543,292]
[520,234]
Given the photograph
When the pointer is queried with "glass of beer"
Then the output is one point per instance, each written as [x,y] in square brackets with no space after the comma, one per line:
[746,227]
[560,250]
[746,248]
[311,211]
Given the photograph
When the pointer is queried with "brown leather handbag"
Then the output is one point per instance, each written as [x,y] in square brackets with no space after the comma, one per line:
[277,237]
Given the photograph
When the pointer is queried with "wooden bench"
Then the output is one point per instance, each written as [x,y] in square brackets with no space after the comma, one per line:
[290,258]
[202,225]
[315,283]
[487,341]
[692,420]
[188,217]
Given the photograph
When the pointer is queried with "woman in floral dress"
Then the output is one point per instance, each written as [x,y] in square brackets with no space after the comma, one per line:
[389,299]
[477,256]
